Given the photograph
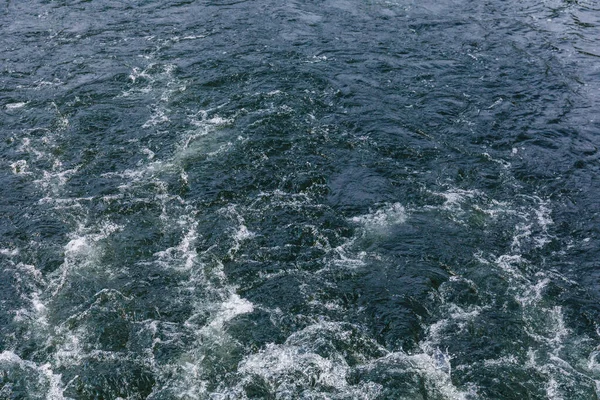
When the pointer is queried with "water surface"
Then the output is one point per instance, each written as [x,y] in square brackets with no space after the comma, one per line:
[311,200]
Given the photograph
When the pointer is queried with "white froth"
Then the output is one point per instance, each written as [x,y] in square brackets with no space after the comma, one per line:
[316,59]
[592,362]
[523,232]
[28,147]
[434,368]
[543,215]
[183,256]
[46,377]
[501,361]
[14,106]
[217,120]
[9,356]
[159,117]
[39,307]
[243,233]
[346,258]
[192,37]
[535,225]
[455,197]
[510,263]
[55,391]
[56,179]
[82,252]
[69,350]
[504,163]
[533,293]
[9,252]
[138,73]
[294,366]
[559,331]
[459,204]
[19,167]
[382,219]
[552,390]
[84,239]
[457,318]
[76,246]
[149,153]
[230,309]
[283,366]
[222,148]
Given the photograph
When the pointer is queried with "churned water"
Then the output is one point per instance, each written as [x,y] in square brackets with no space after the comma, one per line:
[336,199]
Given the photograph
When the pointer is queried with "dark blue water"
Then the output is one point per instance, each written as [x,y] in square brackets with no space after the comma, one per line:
[335,199]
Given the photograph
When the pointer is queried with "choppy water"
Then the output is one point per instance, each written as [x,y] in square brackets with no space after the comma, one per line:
[337,199]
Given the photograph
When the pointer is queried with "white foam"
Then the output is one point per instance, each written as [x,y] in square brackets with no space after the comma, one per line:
[243,233]
[297,367]
[84,239]
[510,263]
[46,378]
[27,147]
[205,139]
[502,361]
[504,163]
[69,350]
[231,308]
[55,180]
[29,281]
[149,153]
[542,321]
[532,294]
[217,120]
[434,368]
[77,246]
[159,117]
[82,252]
[558,329]
[20,168]
[382,219]
[455,197]
[287,367]
[543,215]
[9,356]
[183,256]
[459,203]
[346,258]
[222,148]
[39,84]
[552,391]
[192,37]
[138,73]
[9,252]
[316,59]
[456,321]
[14,106]
[592,362]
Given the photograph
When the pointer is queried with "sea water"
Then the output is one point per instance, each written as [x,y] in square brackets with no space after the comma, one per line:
[342,199]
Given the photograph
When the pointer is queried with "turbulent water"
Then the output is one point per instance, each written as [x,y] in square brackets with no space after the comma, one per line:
[337,199]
